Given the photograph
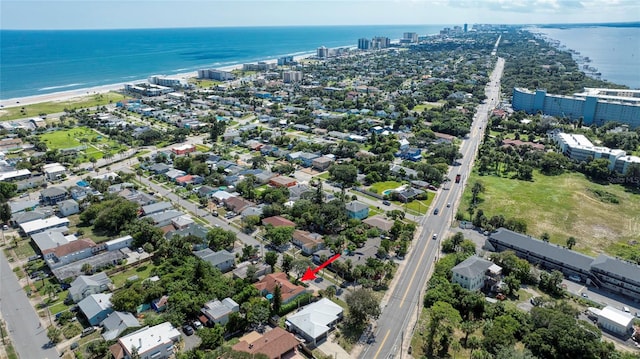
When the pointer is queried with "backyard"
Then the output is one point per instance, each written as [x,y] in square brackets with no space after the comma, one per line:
[564,206]
[380,187]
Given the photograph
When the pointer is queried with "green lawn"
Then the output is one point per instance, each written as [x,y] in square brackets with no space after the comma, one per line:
[12,113]
[97,145]
[24,249]
[203,84]
[143,272]
[202,148]
[323,175]
[426,106]
[420,207]
[380,187]
[564,206]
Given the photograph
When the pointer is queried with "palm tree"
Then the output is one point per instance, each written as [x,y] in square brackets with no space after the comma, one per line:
[571,241]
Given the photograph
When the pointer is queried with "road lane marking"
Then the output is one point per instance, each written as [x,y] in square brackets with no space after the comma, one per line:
[382,344]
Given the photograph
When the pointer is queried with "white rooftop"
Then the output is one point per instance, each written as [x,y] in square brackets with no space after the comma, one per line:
[150,337]
[315,318]
[42,224]
[616,315]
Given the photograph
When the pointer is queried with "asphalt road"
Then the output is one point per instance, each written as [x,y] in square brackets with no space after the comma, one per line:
[29,340]
[392,328]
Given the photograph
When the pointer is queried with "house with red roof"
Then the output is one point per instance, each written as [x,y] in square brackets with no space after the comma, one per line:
[288,290]
[278,221]
[69,252]
[275,344]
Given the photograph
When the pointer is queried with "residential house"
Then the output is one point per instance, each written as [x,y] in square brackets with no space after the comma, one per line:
[308,242]
[53,195]
[22,206]
[155,342]
[160,168]
[221,196]
[322,163]
[116,323]
[23,217]
[307,158]
[288,290]
[296,192]
[252,211]
[96,307]
[263,177]
[357,210]
[156,207]
[379,222]
[41,225]
[69,253]
[86,285]
[411,154]
[473,273]
[119,243]
[408,194]
[223,260]
[315,320]
[189,179]
[51,239]
[206,191]
[282,181]
[218,312]
[183,149]
[68,207]
[182,222]
[238,204]
[403,172]
[242,269]
[275,344]
[53,171]
[174,174]
[278,221]
[161,219]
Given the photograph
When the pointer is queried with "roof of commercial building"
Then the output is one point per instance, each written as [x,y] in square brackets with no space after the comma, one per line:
[550,251]
[616,315]
[618,267]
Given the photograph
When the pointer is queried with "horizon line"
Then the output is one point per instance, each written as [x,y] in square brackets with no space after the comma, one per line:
[316,25]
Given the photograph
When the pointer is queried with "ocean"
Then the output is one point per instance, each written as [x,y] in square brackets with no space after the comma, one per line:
[613,51]
[40,62]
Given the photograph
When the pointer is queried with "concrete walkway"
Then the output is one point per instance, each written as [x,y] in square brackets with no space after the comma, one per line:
[331,348]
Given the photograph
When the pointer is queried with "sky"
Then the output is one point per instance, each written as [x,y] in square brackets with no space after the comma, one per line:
[118,14]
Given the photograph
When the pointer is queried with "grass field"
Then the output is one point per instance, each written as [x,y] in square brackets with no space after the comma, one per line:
[97,145]
[12,113]
[143,272]
[426,106]
[420,207]
[564,206]
[380,187]
[203,84]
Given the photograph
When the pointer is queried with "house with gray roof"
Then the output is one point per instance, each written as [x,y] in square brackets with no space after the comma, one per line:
[217,312]
[315,320]
[96,307]
[473,272]
[68,207]
[156,207]
[53,195]
[357,210]
[403,172]
[51,239]
[22,206]
[85,285]
[24,217]
[223,260]
[161,219]
[116,323]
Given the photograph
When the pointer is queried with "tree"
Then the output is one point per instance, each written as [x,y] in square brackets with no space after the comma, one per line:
[513,283]
[363,306]
[53,333]
[343,174]
[286,263]
[127,300]
[443,319]
[7,190]
[50,289]
[278,236]
[501,332]
[545,237]
[212,338]
[87,268]
[571,241]
[250,223]
[271,258]
[256,311]
[277,299]
[258,161]
[5,212]
[219,238]
[300,265]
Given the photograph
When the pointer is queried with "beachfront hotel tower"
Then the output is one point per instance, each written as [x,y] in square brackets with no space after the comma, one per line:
[593,105]
[364,44]
[322,52]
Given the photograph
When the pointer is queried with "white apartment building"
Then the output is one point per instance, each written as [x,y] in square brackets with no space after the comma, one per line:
[291,76]
[579,148]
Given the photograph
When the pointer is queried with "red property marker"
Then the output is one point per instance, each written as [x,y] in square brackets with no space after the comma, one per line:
[311,273]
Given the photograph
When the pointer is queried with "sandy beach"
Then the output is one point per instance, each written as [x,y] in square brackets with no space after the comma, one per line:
[66,95]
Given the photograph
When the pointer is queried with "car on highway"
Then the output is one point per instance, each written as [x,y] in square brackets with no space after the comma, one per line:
[436,211]
[448,204]
[435,236]
[585,295]
[386,203]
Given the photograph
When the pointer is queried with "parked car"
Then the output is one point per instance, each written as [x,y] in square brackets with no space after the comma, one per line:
[87,331]
[575,278]
[386,203]
[197,325]
[188,330]
[585,295]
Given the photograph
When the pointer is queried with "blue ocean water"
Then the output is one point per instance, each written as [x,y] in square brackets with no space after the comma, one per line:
[41,62]
[614,51]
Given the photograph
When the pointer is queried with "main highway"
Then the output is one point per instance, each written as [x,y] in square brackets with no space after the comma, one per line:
[392,331]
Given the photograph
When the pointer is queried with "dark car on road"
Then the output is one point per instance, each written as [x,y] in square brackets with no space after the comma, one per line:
[386,203]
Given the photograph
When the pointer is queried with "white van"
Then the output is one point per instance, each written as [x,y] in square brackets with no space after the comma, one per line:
[626,309]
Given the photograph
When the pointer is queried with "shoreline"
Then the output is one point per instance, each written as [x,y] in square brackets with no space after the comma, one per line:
[88,91]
